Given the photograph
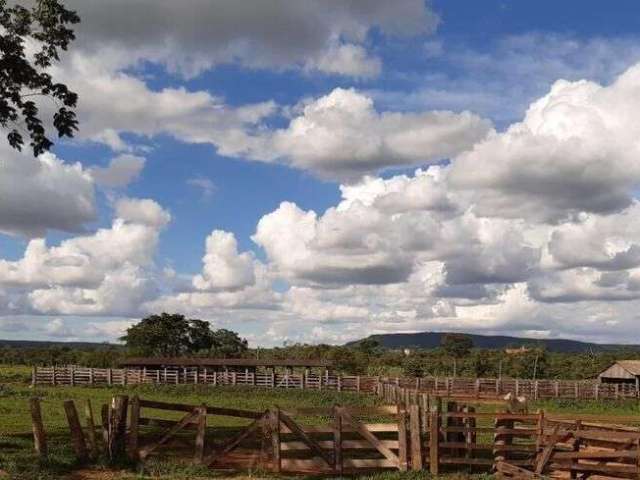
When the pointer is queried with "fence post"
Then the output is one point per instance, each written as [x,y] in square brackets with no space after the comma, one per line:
[72,372]
[134,424]
[39,435]
[91,430]
[535,390]
[109,376]
[416,437]
[34,370]
[540,431]
[434,436]
[337,441]
[576,448]
[77,436]
[202,430]
[402,441]
[53,377]
[117,425]
[275,438]
[596,391]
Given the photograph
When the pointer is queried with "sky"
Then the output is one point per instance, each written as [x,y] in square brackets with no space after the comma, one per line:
[319,171]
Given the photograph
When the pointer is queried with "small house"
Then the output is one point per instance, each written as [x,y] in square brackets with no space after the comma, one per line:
[622,371]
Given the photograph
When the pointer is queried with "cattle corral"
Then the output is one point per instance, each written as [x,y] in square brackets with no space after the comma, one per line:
[534,389]
[420,432]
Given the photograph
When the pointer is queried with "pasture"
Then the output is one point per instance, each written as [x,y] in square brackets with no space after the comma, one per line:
[17,459]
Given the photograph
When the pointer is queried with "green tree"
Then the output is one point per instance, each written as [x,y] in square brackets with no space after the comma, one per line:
[413,366]
[226,343]
[456,345]
[165,335]
[23,76]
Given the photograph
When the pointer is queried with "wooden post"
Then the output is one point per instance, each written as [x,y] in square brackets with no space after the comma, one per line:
[402,442]
[91,430]
[34,374]
[109,377]
[117,425]
[556,387]
[576,447]
[540,431]
[77,437]
[337,442]
[416,437]
[202,430]
[104,417]
[358,383]
[53,377]
[434,436]
[275,438]
[39,435]
[134,425]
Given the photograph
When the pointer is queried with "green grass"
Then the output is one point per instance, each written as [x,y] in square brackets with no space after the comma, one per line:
[16,445]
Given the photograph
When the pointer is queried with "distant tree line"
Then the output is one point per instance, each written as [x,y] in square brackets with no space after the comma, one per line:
[176,335]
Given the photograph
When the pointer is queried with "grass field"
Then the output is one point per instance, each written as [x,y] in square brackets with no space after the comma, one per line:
[16,445]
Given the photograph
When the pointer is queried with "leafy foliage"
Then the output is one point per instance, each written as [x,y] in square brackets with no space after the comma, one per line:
[45,28]
[173,335]
[457,345]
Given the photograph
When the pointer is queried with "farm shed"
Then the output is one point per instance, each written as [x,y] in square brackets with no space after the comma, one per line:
[228,364]
[622,371]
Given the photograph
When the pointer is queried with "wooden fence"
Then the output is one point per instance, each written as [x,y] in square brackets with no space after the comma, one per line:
[439,435]
[472,387]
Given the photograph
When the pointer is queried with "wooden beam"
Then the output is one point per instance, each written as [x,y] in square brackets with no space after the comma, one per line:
[416,437]
[545,455]
[310,442]
[77,436]
[91,430]
[134,425]
[188,418]
[337,442]
[402,442]
[362,430]
[39,435]
[200,435]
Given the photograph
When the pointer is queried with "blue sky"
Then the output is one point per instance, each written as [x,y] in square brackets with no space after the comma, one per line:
[216,114]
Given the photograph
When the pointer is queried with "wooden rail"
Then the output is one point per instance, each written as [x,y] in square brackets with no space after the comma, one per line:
[394,390]
[436,434]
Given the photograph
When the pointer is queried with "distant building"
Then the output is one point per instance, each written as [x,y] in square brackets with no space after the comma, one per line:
[516,351]
[407,352]
[622,371]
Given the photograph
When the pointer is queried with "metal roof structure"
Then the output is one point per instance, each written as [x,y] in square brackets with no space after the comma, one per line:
[622,369]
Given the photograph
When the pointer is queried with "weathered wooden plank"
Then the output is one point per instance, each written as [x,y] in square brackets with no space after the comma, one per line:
[362,430]
[77,436]
[338,465]
[91,430]
[311,443]
[402,442]
[253,428]
[134,424]
[146,451]
[416,437]
[274,427]
[545,455]
[329,444]
[200,435]
[39,434]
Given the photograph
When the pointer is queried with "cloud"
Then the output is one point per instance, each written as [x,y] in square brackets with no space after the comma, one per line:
[39,194]
[575,151]
[271,34]
[108,272]
[142,211]
[224,268]
[341,135]
[205,185]
[122,170]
